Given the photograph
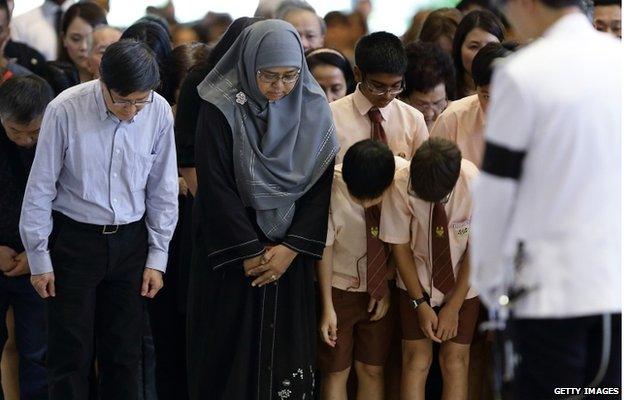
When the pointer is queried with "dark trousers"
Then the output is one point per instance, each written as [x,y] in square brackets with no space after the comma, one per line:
[147,370]
[30,334]
[98,281]
[563,353]
[168,327]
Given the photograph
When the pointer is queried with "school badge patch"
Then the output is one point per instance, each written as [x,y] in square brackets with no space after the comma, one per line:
[374,230]
[439,231]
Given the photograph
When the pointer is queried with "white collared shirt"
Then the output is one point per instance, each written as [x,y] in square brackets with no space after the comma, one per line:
[37,29]
[558,102]
[404,125]
[406,219]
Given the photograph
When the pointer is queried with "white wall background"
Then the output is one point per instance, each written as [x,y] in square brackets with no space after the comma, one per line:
[390,15]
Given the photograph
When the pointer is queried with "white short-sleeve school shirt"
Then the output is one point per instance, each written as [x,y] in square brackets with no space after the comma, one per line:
[463,122]
[346,233]
[404,125]
[405,219]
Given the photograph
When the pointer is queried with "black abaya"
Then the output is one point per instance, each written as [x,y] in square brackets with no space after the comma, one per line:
[248,343]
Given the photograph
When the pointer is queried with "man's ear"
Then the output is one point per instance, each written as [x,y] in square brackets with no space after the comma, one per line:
[357,73]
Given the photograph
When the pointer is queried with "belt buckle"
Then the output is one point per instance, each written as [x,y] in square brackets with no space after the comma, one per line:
[106,231]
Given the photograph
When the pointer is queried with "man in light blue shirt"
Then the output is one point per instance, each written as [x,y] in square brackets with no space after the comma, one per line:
[99,211]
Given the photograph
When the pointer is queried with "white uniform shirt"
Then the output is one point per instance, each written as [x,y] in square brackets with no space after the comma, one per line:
[37,28]
[556,109]
[406,219]
[404,125]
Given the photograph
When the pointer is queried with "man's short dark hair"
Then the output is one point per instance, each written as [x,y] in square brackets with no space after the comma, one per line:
[484,60]
[427,67]
[434,169]
[24,98]
[368,169]
[380,52]
[129,66]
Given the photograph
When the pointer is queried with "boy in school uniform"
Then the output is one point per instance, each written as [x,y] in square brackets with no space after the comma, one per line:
[356,323]
[463,122]
[372,111]
[426,216]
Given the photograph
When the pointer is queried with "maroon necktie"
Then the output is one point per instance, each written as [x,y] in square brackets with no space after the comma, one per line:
[377,131]
[443,277]
[376,255]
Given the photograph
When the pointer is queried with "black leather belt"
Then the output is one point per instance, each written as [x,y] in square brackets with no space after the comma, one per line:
[103,229]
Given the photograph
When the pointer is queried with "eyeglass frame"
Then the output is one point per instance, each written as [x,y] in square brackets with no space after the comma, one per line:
[438,106]
[135,103]
[388,90]
[261,75]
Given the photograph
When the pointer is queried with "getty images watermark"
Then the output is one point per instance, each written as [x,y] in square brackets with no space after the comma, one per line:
[587,391]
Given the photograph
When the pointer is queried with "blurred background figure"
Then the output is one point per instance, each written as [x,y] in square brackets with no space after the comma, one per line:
[267,8]
[477,29]
[413,32]
[8,67]
[72,66]
[41,27]
[608,16]
[332,71]
[440,27]
[157,39]
[303,17]
[184,34]
[429,80]
[214,26]
[20,53]
[167,11]
[105,4]
[102,37]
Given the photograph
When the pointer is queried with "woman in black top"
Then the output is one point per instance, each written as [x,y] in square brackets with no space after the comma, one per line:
[71,67]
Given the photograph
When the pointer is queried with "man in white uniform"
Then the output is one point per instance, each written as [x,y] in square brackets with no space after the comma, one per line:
[551,181]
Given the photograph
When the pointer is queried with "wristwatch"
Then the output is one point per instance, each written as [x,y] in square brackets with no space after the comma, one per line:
[417,302]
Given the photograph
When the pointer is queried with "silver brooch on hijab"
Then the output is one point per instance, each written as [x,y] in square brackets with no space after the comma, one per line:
[241,98]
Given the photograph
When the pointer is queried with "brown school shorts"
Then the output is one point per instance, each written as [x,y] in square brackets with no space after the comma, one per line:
[410,328]
[358,338]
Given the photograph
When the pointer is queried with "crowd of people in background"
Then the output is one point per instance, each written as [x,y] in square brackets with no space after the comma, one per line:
[399,118]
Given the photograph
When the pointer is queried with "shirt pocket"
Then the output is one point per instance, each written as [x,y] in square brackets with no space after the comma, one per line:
[141,168]
[461,230]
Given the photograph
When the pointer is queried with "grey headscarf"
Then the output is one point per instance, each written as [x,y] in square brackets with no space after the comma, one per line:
[281,148]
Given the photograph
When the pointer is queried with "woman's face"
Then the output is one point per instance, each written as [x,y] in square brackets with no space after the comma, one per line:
[76,41]
[277,82]
[475,40]
[430,103]
[332,80]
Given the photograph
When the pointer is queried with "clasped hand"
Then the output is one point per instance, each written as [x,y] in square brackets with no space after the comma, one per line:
[269,266]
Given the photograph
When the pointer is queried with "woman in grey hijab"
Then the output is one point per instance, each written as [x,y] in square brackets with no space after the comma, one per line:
[264,156]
